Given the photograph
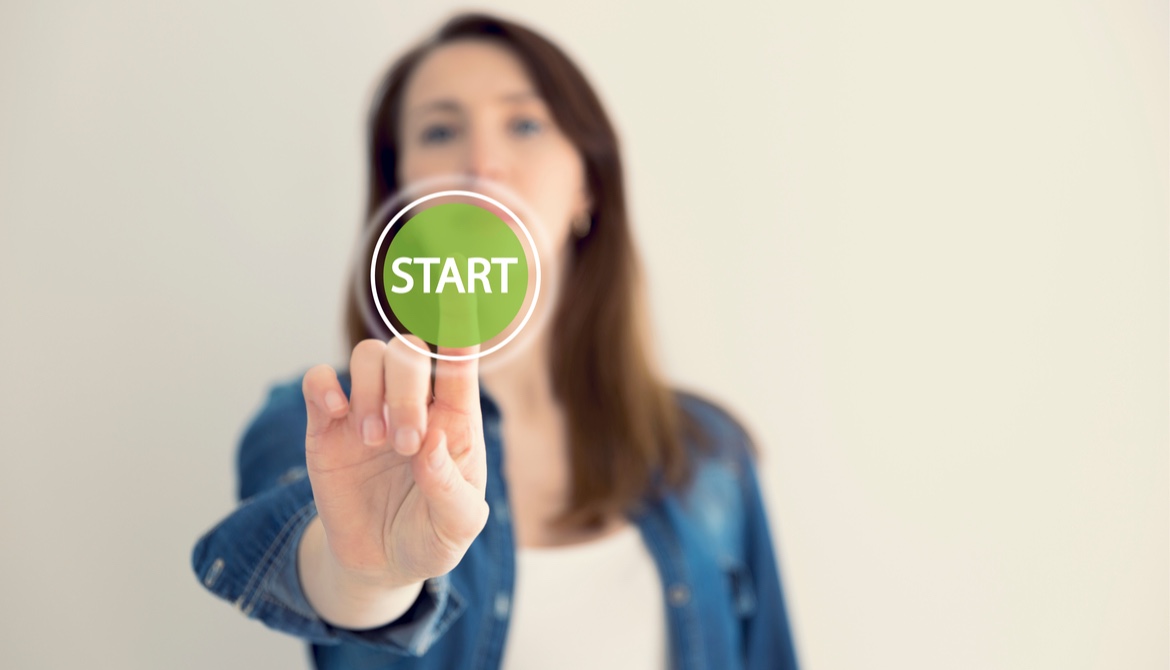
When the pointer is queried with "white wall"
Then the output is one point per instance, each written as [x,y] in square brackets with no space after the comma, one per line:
[939,298]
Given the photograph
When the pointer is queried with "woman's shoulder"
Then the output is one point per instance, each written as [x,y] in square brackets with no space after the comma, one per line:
[720,497]
[721,425]
[713,430]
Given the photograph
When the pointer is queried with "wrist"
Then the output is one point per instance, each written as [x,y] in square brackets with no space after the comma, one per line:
[344,597]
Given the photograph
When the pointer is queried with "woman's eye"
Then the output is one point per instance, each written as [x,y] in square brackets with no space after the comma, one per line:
[526,127]
[437,134]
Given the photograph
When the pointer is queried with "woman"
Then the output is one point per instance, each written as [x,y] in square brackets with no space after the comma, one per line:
[564,509]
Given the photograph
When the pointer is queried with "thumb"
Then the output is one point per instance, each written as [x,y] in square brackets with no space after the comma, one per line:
[458,510]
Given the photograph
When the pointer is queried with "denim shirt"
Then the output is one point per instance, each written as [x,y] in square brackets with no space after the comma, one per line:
[712,546]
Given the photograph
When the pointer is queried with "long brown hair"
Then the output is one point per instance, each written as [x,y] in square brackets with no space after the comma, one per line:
[626,432]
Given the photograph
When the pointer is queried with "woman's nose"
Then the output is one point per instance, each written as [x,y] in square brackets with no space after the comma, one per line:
[485,158]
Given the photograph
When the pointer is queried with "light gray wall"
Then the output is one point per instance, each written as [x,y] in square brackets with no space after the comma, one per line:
[920,247]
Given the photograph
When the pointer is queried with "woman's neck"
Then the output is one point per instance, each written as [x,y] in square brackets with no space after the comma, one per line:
[523,384]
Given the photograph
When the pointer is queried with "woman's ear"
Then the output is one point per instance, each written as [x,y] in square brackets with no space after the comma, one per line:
[582,219]
[586,208]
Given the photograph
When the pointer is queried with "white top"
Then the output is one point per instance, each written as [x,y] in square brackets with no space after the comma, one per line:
[591,605]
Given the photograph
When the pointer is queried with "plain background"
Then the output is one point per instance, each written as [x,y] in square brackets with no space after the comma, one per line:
[920,247]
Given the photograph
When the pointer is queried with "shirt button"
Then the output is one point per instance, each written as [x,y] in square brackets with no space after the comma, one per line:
[502,603]
[678,595]
[501,512]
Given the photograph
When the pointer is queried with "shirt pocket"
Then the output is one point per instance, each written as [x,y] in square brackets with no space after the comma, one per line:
[741,586]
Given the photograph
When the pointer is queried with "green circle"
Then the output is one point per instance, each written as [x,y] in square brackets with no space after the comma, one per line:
[455,275]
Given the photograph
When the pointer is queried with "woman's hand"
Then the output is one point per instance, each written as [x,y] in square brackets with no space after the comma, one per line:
[398,475]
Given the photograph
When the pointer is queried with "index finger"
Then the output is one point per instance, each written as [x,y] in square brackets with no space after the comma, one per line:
[457,382]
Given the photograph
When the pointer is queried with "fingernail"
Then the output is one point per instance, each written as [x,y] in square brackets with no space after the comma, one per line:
[438,455]
[373,432]
[406,440]
[334,401]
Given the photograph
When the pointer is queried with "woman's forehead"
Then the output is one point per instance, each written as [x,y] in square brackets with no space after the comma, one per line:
[468,71]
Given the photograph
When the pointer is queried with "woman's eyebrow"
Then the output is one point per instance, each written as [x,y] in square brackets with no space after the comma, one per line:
[449,105]
[435,105]
[520,96]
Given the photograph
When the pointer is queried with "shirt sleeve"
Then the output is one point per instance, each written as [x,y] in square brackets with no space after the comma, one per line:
[249,558]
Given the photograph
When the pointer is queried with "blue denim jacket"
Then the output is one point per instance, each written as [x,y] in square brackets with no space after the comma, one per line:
[712,545]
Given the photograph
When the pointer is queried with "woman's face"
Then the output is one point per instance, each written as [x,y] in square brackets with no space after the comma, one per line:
[470,110]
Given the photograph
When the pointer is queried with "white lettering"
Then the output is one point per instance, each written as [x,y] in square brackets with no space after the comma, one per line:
[398,263]
[504,263]
[478,269]
[450,276]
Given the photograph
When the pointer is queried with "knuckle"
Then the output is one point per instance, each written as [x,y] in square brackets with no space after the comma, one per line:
[448,480]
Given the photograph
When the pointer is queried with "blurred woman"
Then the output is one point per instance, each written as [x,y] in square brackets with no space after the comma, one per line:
[562,509]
